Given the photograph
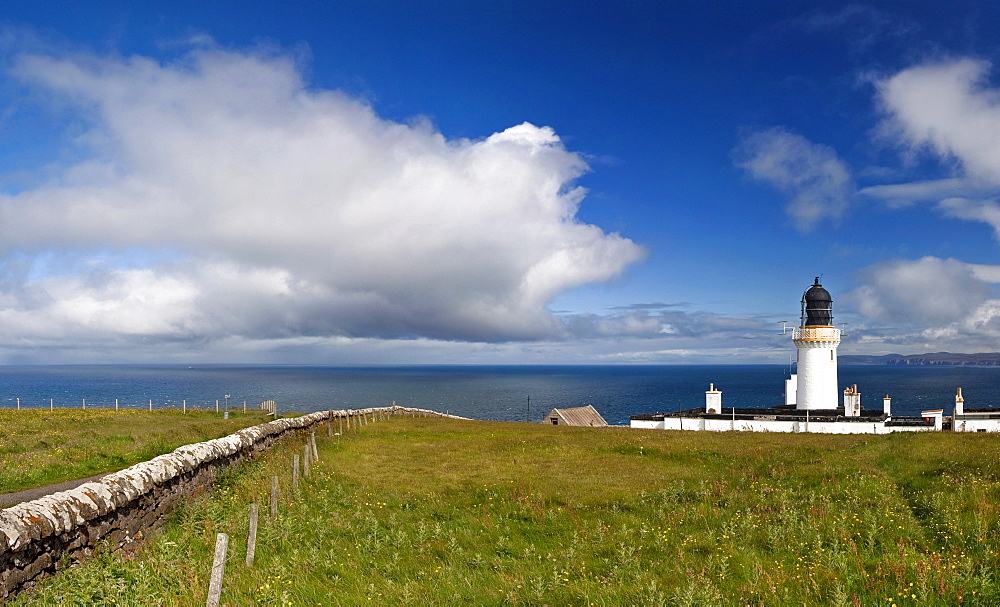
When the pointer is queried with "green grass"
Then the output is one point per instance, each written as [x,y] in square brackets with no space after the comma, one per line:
[430,511]
[40,447]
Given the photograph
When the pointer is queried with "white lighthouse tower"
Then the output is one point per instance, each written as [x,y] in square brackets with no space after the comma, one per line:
[816,340]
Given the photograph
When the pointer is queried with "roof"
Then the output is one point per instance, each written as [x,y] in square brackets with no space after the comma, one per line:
[575,416]
[817,306]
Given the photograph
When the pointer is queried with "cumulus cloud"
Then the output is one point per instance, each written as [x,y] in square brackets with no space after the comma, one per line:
[949,109]
[927,304]
[926,291]
[818,183]
[260,207]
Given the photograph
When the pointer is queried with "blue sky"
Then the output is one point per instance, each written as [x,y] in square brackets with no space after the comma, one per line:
[509,182]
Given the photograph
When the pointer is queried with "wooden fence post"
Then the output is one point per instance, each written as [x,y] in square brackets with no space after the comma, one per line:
[329,427]
[252,535]
[274,496]
[185,405]
[306,458]
[295,471]
[218,568]
[315,451]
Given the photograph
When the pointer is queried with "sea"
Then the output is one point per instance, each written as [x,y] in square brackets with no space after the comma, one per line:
[502,393]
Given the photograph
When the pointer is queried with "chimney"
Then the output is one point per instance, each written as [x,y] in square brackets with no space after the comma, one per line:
[852,402]
[713,400]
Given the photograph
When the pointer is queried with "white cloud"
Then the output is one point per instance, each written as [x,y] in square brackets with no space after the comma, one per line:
[949,109]
[818,183]
[927,291]
[905,194]
[267,209]
[985,211]
[925,305]
[985,273]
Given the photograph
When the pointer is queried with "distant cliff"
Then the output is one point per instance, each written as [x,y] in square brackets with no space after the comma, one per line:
[936,358]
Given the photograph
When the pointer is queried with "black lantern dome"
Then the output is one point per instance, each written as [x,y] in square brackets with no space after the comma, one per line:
[817,306]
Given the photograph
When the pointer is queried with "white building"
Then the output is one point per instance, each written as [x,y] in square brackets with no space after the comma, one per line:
[816,341]
[974,420]
[842,420]
[812,401]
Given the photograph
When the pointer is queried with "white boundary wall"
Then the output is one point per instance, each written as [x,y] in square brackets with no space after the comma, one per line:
[972,424]
[726,425]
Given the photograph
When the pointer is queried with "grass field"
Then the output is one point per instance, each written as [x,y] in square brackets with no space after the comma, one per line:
[435,511]
[40,447]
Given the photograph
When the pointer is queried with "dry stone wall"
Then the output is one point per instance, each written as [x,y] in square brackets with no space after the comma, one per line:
[39,537]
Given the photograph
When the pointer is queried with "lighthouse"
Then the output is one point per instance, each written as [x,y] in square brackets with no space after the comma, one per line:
[816,340]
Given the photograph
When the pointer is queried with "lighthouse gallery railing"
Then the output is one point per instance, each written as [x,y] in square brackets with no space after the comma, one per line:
[816,333]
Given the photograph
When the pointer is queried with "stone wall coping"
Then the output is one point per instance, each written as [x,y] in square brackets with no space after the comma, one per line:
[62,511]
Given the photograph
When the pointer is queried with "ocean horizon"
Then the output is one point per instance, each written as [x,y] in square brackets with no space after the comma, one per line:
[488,392]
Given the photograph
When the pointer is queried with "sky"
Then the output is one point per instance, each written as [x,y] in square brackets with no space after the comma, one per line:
[511,182]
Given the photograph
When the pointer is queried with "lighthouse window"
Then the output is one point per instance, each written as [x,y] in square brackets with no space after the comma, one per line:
[831,354]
